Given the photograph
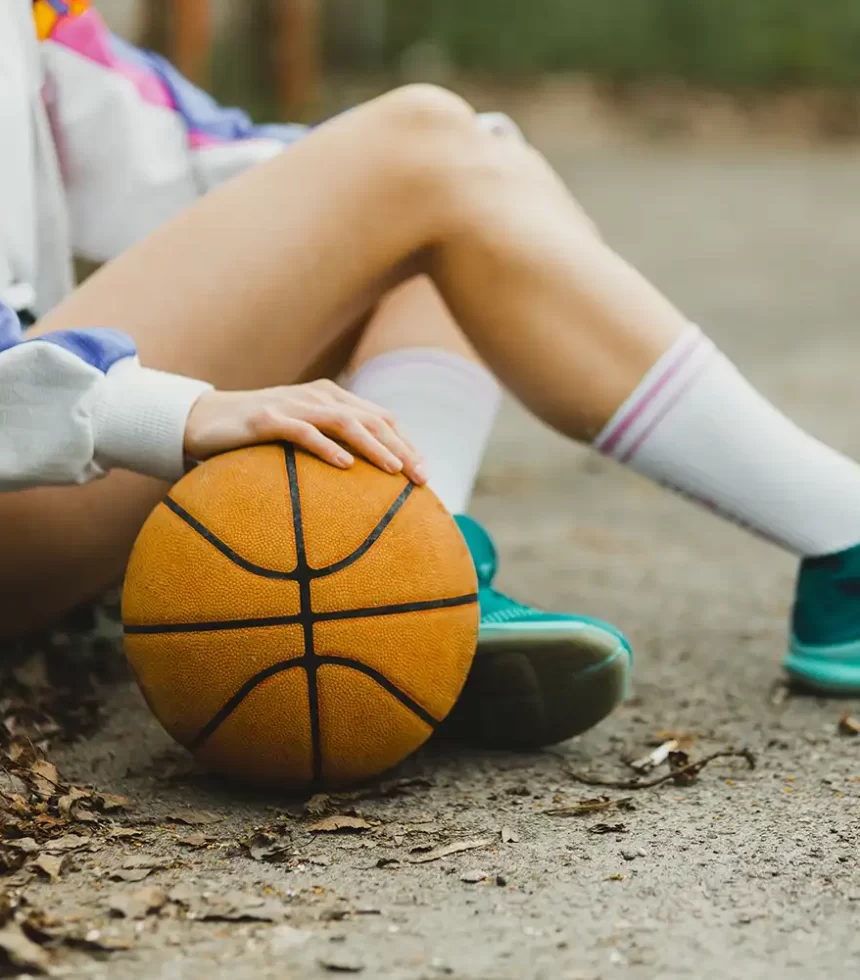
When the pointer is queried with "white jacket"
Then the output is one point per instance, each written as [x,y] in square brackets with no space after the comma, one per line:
[99,144]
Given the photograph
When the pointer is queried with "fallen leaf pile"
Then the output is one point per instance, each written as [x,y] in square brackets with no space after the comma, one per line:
[52,683]
[41,817]
[30,939]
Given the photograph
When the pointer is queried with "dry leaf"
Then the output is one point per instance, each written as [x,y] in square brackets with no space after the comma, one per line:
[446,849]
[584,807]
[25,844]
[196,840]
[340,824]
[268,848]
[68,801]
[11,784]
[849,725]
[95,941]
[147,861]
[341,965]
[130,874]
[139,903]
[318,805]
[120,832]
[46,780]
[10,861]
[608,828]
[49,864]
[387,863]
[685,739]
[108,802]
[68,842]
[21,953]
[236,906]
[679,766]
[183,893]
[193,818]
[77,804]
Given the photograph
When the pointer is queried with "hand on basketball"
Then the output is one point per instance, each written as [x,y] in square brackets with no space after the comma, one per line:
[311,416]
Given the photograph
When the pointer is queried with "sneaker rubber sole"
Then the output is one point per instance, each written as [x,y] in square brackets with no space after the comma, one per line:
[534,687]
[833,669]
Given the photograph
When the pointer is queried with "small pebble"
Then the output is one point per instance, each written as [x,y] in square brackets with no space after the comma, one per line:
[473,877]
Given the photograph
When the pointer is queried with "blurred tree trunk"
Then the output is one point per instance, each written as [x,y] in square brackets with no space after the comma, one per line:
[192,38]
[156,32]
[182,31]
[286,41]
[298,33]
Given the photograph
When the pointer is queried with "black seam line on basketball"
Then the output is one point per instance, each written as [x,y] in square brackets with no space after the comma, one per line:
[225,549]
[227,709]
[383,682]
[307,663]
[215,626]
[370,540]
[397,610]
[322,617]
[305,613]
[293,576]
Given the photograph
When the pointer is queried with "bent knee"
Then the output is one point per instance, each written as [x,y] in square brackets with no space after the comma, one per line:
[422,106]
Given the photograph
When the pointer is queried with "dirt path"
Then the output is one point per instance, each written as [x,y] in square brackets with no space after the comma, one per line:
[744,874]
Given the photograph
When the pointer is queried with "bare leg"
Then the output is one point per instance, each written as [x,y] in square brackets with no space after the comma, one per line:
[253,284]
[413,315]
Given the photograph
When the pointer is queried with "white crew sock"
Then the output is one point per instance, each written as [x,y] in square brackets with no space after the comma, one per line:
[445,404]
[697,426]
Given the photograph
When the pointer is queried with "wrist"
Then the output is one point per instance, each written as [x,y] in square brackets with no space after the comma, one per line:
[140,418]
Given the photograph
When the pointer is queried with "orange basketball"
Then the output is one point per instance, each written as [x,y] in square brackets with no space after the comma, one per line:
[292,623]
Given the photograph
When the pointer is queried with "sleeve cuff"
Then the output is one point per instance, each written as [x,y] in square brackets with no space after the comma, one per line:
[139,420]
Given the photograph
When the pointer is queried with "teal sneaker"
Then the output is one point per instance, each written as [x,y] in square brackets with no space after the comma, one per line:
[824,651]
[538,678]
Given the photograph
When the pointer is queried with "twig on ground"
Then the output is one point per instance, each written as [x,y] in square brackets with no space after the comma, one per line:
[691,770]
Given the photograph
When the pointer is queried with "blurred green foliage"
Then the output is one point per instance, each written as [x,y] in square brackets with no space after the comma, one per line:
[721,43]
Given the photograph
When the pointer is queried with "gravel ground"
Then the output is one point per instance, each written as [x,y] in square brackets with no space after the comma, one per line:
[743,874]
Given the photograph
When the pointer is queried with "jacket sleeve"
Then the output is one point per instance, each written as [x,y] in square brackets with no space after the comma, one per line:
[75,404]
[137,142]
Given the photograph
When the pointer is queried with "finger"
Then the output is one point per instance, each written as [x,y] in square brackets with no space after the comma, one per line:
[307,436]
[404,451]
[371,408]
[348,428]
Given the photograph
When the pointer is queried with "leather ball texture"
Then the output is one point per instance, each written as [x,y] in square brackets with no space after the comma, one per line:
[296,625]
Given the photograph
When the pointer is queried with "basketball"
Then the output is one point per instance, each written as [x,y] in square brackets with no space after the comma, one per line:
[293,624]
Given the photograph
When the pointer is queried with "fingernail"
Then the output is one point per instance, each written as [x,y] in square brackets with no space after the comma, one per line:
[394,465]
[421,475]
[344,459]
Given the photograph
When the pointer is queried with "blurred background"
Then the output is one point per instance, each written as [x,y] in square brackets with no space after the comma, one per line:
[654,68]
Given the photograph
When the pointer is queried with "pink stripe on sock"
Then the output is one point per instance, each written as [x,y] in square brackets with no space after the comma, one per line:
[88,36]
[673,401]
[683,355]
